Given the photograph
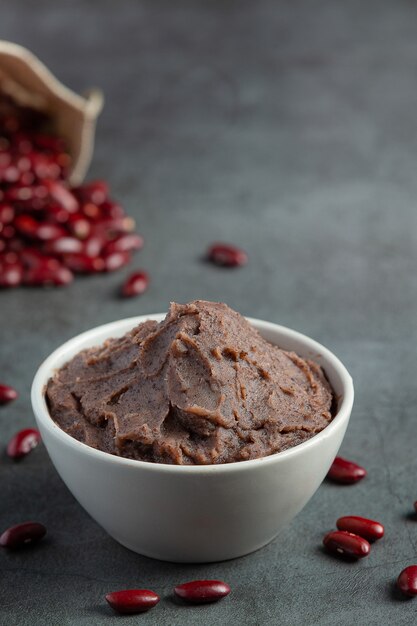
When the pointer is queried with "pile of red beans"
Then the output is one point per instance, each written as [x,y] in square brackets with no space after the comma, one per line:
[50,231]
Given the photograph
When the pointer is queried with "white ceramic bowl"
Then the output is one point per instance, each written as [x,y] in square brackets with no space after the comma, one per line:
[194,513]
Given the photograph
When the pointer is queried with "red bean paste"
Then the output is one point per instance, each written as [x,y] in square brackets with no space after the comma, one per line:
[200,387]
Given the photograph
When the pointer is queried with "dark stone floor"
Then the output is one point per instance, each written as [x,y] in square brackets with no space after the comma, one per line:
[288,128]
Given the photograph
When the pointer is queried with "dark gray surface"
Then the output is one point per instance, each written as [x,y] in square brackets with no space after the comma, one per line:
[290,129]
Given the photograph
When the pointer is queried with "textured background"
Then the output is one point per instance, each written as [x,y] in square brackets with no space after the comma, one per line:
[290,129]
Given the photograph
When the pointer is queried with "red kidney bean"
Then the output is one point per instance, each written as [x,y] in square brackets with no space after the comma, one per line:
[112,209]
[122,225]
[58,214]
[116,260]
[112,227]
[47,231]
[9,257]
[5,159]
[26,179]
[79,226]
[33,197]
[131,601]
[9,174]
[11,274]
[26,225]
[135,284]
[43,166]
[22,143]
[366,528]
[8,232]
[345,472]
[50,143]
[96,192]
[91,211]
[47,274]
[83,264]
[7,214]
[202,591]
[226,255]
[23,442]
[7,394]
[346,544]
[23,164]
[64,245]
[64,161]
[31,257]
[61,195]
[407,580]
[92,246]
[124,243]
[22,535]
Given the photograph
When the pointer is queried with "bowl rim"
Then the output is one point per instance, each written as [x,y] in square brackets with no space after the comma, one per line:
[76,343]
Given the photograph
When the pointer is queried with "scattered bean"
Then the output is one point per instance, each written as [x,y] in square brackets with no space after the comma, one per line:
[23,442]
[366,528]
[202,591]
[7,394]
[226,255]
[131,601]
[346,544]
[135,284]
[407,580]
[22,535]
[345,472]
